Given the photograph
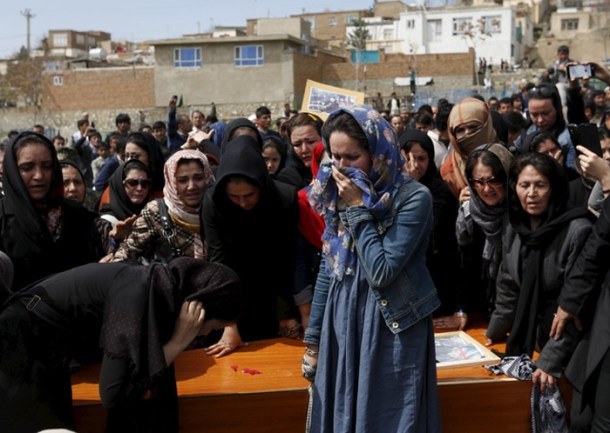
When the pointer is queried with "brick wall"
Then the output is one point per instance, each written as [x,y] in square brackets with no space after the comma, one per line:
[99,88]
[391,66]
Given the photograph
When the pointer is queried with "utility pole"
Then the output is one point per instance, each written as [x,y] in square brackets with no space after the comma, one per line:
[28,16]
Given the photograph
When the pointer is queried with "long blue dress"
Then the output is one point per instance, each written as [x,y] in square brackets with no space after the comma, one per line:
[365,372]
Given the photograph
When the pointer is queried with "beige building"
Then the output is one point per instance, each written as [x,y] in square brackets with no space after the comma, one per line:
[266,68]
[72,43]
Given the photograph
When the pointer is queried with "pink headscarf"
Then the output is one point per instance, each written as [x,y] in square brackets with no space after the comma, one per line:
[176,206]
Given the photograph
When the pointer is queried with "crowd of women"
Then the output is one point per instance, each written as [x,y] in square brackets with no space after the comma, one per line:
[343,229]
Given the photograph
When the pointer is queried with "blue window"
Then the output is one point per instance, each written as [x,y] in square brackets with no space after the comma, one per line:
[187,57]
[249,55]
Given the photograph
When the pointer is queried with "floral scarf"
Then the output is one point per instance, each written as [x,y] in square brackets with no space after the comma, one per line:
[379,188]
[179,212]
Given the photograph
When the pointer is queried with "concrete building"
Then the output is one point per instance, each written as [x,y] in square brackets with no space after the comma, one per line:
[537,8]
[266,68]
[72,43]
[490,31]
[328,27]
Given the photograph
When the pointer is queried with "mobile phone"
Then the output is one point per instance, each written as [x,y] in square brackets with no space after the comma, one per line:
[579,71]
[586,135]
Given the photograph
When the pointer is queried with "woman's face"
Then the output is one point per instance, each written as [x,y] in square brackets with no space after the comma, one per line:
[417,161]
[534,191]
[243,194]
[347,152]
[74,187]
[489,189]
[137,185]
[190,183]
[133,151]
[272,159]
[303,139]
[35,164]
[466,129]
[551,149]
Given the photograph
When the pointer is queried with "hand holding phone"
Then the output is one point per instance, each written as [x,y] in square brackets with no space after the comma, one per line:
[586,135]
[579,71]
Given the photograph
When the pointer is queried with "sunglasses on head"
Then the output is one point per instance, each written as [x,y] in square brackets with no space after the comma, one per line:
[542,91]
[132,183]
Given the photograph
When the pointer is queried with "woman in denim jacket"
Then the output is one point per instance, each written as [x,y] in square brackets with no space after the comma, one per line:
[371,319]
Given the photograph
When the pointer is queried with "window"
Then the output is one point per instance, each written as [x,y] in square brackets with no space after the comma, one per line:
[80,39]
[435,30]
[91,42]
[60,40]
[461,26]
[333,22]
[569,24]
[349,19]
[388,34]
[58,80]
[492,24]
[249,55]
[410,24]
[187,57]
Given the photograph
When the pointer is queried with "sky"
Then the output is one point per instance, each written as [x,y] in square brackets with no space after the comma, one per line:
[140,20]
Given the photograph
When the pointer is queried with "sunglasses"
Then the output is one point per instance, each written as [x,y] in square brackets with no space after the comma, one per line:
[542,91]
[133,183]
[492,182]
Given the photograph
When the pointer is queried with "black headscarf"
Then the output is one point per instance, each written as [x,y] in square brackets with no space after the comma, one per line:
[234,124]
[242,157]
[120,205]
[281,147]
[247,240]
[30,227]
[558,215]
[411,136]
[149,144]
[6,276]
[138,322]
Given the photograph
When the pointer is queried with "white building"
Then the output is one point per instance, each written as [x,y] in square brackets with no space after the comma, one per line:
[494,32]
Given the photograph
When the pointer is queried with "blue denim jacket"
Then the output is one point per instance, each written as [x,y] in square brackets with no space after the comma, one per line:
[392,256]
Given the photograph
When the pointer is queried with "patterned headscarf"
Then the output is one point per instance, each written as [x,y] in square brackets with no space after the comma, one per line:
[379,187]
[176,206]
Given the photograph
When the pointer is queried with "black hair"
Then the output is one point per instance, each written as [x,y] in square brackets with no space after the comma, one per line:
[549,168]
[344,122]
[122,118]
[517,96]
[303,119]
[139,140]
[144,126]
[424,119]
[58,137]
[507,100]
[158,125]
[541,138]
[488,159]
[514,121]
[442,116]
[425,109]
[211,119]
[262,111]
[82,122]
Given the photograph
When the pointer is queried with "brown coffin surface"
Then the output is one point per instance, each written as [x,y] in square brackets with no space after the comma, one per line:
[226,395]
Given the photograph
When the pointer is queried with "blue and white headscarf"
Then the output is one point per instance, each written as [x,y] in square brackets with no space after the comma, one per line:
[379,187]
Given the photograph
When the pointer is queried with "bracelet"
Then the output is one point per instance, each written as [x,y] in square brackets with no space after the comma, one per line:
[311,352]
